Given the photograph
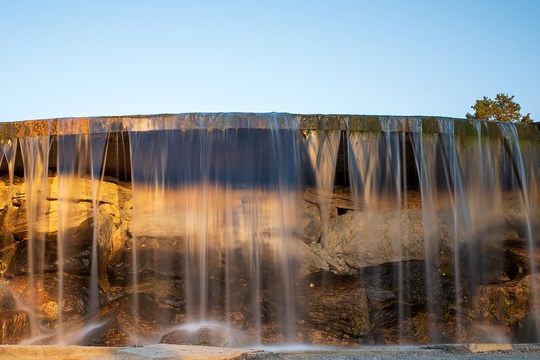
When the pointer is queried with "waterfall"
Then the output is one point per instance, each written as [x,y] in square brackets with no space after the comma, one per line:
[253,229]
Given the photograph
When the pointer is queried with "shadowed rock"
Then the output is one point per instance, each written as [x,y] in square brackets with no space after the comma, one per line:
[333,308]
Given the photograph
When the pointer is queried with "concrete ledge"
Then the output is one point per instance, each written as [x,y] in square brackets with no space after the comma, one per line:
[481,348]
[106,124]
[147,352]
[185,352]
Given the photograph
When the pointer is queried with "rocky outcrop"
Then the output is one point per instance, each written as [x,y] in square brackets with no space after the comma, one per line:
[363,277]
[333,309]
[508,307]
[14,323]
[29,266]
[415,292]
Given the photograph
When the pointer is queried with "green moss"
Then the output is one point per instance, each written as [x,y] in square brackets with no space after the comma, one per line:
[365,123]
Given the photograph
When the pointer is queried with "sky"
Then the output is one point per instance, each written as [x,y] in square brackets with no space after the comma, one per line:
[113,57]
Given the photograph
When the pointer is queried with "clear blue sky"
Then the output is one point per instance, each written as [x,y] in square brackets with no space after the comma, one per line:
[91,58]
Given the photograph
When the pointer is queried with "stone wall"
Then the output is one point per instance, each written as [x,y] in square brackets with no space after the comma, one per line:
[360,280]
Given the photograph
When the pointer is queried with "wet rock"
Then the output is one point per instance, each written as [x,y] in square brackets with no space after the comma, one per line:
[380,296]
[46,222]
[333,305]
[128,320]
[120,237]
[427,325]
[409,302]
[394,297]
[6,232]
[390,327]
[111,198]
[109,192]
[406,281]
[106,229]
[341,201]
[113,212]
[517,259]
[497,250]
[14,323]
[4,195]
[528,329]
[76,248]
[494,265]
[114,337]
[6,258]
[156,257]
[314,259]
[311,228]
[126,211]
[506,305]
[43,253]
[205,336]
[43,296]
[360,239]
[226,329]
[168,294]
[14,326]
[173,301]
[16,180]
[7,302]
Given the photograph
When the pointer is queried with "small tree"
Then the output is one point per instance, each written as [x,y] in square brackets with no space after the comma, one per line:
[503,109]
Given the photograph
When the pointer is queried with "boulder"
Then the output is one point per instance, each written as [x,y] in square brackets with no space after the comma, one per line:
[109,192]
[42,295]
[128,320]
[332,308]
[507,305]
[311,228]
[314,259]
[408,302]
[7,302]
[227,329]
[156,258]
[14,326]
[360,239]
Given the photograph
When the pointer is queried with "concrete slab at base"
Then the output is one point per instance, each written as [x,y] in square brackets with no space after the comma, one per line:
[185,352]
[481,348]
[148,352]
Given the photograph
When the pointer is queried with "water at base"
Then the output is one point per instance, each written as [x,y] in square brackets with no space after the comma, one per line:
[214,241]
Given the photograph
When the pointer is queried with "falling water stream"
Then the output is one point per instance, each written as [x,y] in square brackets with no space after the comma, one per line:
[231,229]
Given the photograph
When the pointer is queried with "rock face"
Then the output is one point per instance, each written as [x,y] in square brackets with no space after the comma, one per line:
[363,277]
[40,299]
[15,324]
[357,241]
[418,295]
[333,309]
